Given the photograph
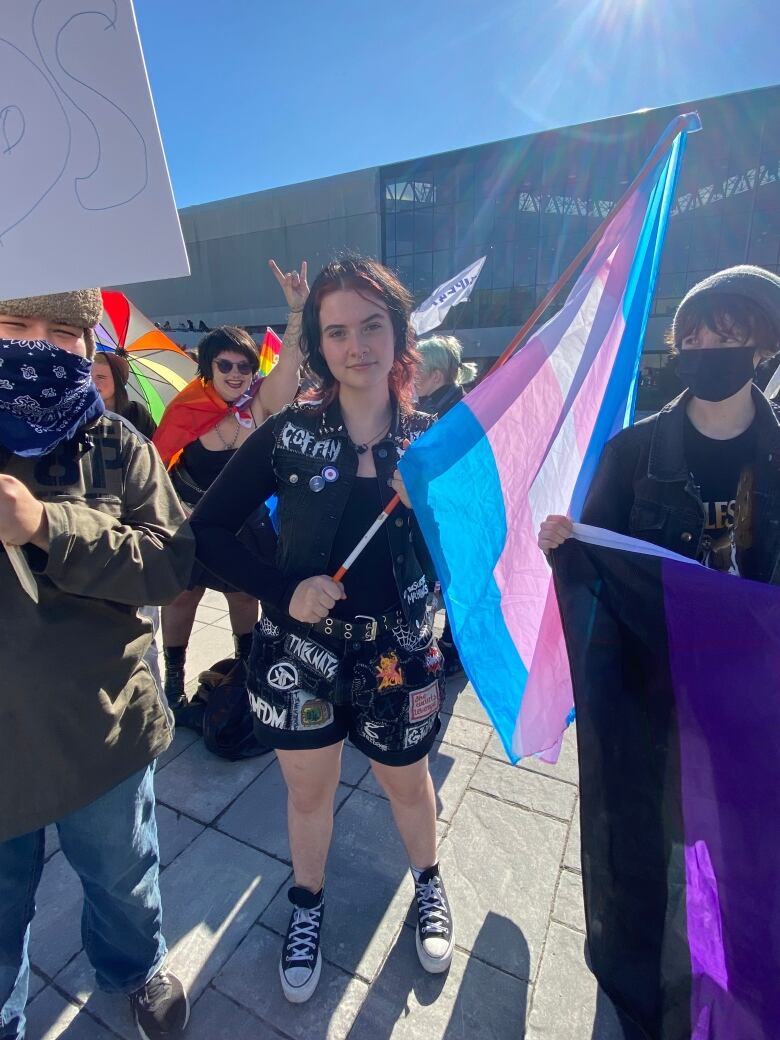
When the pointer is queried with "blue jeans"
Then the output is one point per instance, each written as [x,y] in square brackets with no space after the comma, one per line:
[112,845]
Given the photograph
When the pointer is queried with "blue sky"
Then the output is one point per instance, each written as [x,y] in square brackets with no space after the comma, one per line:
[252,94]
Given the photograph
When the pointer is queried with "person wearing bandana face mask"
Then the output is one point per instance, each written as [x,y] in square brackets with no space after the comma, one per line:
[82,720]
[702,477]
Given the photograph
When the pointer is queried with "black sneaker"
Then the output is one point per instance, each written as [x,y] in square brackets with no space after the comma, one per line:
[301,963]
[434,922]
[160,1008]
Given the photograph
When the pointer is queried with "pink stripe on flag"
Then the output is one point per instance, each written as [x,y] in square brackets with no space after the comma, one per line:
[539,443]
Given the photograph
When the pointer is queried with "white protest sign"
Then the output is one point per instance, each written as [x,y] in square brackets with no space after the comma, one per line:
[432,312]
[85,196]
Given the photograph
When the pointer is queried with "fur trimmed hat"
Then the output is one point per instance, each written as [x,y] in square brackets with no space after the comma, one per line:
[81,308]
[755,284]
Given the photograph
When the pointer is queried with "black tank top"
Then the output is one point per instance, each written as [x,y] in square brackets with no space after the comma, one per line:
[369,583]
[205,466]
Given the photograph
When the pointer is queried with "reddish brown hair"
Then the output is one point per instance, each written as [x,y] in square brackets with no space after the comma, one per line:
[366,277]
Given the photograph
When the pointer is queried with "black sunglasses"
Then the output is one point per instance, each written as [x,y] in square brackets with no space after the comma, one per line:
[244,368]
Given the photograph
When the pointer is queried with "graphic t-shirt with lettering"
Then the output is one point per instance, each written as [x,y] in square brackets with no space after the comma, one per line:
[716,467]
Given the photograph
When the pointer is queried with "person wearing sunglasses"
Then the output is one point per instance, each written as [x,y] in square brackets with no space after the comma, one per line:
[201,430]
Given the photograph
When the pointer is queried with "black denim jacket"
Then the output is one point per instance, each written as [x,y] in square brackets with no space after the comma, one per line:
[305,441]
[643,488]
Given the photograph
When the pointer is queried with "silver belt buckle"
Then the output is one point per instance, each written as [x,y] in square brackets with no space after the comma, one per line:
[371,632]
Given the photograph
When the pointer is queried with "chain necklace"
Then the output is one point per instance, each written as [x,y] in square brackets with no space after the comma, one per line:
[229,445]
[361,449]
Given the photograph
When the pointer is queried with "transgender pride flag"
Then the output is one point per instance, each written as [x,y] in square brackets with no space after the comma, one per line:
[525,443]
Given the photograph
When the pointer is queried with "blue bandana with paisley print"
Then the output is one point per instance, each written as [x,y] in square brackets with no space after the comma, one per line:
[46,396]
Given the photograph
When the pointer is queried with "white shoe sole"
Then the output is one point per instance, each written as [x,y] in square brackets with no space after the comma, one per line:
[300,994]
[433,965]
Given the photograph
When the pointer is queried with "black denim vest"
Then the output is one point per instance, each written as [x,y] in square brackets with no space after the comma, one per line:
[668,508]
[306,442]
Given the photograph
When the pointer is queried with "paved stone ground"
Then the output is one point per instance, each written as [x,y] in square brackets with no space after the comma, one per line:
[510,857]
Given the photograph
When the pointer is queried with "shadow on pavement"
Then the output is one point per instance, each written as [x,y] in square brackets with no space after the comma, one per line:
[475,1000]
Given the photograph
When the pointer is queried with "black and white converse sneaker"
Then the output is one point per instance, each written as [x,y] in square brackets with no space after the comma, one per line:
[434,922]
[160,1008]
[301,963]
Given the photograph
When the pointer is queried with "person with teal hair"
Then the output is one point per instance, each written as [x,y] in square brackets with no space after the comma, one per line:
[439,382]
[442,374]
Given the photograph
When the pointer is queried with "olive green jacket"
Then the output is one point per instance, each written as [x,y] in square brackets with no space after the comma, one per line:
[79,709]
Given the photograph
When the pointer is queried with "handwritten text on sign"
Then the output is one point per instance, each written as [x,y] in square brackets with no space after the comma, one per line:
[85,197]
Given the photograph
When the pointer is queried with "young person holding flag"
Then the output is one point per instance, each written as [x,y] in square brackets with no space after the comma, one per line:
[201,430]
[701,477]
[673,753]
[336,659]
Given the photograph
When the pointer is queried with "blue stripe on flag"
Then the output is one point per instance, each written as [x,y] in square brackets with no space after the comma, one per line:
[457,456]
[619,402]
[454,484]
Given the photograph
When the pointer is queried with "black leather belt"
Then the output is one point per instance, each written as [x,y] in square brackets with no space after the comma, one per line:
[360,629]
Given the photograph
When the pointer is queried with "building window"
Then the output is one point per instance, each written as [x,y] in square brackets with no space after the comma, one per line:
[530,205]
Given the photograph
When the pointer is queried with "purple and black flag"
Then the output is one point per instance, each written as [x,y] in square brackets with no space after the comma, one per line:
[676,673]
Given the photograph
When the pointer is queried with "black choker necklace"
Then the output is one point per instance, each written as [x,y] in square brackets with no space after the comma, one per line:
[361,449]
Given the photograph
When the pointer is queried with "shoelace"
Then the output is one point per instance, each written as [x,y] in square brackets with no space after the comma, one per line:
[304,932]
[156,990]
[431,907]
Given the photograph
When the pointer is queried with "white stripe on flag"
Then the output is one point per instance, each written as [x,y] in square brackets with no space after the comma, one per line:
[613,540]
[551,489]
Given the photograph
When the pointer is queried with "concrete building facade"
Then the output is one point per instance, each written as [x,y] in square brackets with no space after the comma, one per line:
[528,204]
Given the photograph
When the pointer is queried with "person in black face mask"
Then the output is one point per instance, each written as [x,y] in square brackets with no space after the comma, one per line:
[702,477]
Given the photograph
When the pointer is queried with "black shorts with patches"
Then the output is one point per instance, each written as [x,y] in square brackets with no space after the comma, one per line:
[313,691]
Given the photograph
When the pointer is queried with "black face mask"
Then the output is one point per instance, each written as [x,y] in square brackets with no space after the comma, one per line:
[715,373]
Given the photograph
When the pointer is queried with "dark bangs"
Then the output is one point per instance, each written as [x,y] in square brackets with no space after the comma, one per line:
[729,316]
[226,337]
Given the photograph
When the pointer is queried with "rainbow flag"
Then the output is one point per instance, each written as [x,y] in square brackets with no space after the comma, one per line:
[269,351]
[524,444]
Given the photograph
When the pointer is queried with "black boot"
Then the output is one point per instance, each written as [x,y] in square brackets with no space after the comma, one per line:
[452,662]
[174,657]
[243,645]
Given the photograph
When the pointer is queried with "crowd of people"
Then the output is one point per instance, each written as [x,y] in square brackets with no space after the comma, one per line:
[261,488]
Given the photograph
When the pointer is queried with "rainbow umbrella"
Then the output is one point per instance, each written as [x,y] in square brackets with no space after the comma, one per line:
[159,369]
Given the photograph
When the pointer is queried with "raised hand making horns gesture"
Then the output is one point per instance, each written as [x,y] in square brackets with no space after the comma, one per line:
[293,283]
